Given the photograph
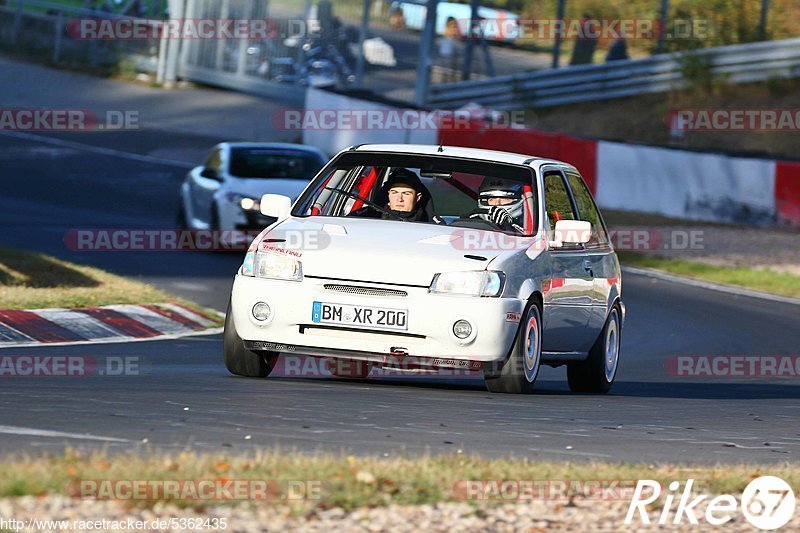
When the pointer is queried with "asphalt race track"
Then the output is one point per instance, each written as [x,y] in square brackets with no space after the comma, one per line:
[184,397]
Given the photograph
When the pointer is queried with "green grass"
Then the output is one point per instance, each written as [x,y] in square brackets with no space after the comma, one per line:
[347,481]
[32,280]
[757,278]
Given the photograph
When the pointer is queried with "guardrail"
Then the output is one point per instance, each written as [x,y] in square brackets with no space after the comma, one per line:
[737,63]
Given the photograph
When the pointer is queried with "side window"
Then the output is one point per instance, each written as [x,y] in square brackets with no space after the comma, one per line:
[587,209]
[214,160]
[556,199]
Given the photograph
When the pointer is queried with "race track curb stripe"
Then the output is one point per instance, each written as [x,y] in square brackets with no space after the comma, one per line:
[42,330]
[113,323]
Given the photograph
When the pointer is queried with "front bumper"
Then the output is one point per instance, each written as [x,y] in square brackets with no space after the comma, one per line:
[430,321]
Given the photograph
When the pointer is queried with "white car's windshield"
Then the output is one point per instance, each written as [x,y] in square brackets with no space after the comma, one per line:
[270,163]
[426,190]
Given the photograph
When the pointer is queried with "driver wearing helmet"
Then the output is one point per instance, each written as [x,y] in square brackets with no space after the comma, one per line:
[500,202]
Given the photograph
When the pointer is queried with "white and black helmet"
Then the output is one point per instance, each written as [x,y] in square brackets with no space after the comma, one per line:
[502,188]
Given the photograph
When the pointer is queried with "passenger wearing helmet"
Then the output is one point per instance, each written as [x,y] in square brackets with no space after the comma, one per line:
[500,202]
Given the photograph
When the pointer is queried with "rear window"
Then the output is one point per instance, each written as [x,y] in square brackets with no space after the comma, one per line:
[261,163]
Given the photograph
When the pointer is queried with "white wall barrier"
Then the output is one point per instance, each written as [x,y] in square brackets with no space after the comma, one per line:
[685,184]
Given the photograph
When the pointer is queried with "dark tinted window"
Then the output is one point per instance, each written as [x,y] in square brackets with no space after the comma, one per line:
[556,199]
[259,163]
[587,209]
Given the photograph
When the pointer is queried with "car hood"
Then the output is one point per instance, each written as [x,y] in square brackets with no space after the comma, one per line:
[370,250]
[256,188]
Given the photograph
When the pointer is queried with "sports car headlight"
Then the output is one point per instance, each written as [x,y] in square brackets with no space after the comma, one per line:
[477,283]
[272,265]
[246,203]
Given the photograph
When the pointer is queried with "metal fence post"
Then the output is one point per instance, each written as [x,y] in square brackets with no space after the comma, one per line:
[663,23]
[762,20]
[176,11]
[59,31]
[189,12]
[222,43]
[425,48]
[17,21]
[241,64]
[362,36]
[557,44]
[471,36]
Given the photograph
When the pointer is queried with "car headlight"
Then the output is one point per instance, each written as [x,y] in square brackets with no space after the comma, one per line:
[247,203]
[272,265]
[475,283]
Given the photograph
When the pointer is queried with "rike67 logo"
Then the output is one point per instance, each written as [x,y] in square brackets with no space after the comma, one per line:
[767,503]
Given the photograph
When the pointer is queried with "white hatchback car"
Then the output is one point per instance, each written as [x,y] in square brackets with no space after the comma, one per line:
[497,261]
[224,193]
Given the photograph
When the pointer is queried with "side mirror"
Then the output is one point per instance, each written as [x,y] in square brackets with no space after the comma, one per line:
[276,206]
[209,173]
[571,231]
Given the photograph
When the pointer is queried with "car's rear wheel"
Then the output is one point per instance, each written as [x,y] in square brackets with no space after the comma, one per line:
[597,372]
[241,361]
[520,370]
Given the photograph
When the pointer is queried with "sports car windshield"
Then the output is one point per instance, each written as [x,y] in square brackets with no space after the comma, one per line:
[425,189]
[263,163]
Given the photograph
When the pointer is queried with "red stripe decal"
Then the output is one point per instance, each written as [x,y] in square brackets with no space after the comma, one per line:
[120,322]
[38,328]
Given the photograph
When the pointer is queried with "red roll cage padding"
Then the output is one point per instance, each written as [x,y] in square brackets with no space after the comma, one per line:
[527,195]
[363,186]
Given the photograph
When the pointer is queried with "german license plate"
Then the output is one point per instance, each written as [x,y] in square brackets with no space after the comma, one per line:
[359,316]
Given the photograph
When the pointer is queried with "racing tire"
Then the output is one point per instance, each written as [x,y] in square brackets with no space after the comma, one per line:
[597,372]
[241,361]
[519,372]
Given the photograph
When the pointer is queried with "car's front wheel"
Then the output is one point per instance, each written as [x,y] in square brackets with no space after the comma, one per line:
[241,361]
[520,370]
[597,372]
